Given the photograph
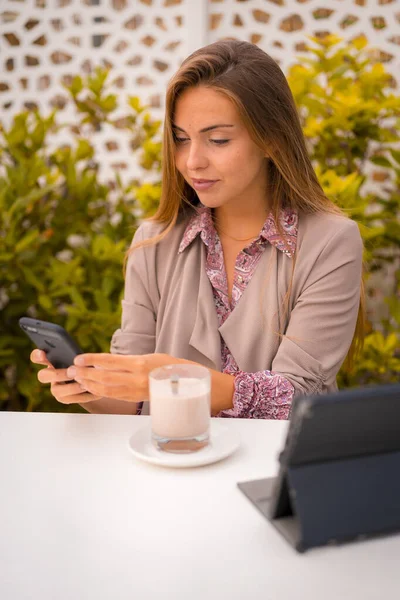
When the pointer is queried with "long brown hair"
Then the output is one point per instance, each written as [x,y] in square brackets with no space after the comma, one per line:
[255,84]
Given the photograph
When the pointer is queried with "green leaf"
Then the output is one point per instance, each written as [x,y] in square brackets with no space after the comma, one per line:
[26,241]
[96,82]
[109,103]
[108,285]
[102,301]
[134,102]
[33,279]
[77,298]
[381,162]
[5,257]
[45,302]
[34,195]
[395,154]
[84,150]
[76,85]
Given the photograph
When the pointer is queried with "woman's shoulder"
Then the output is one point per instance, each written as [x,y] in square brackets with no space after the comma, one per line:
[327,243]
[150,229]
[318,229]
[153,256]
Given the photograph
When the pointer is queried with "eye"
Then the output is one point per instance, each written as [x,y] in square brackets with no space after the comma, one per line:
[219,142]
[178,139]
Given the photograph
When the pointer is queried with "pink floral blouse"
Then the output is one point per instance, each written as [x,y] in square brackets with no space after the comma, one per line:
[262,395]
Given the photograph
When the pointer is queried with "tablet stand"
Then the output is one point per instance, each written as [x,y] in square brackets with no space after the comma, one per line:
[333,501]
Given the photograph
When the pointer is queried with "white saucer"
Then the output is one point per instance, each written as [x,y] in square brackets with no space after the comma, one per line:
[223,442]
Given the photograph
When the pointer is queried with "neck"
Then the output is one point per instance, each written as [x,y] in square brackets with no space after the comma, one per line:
[239,226]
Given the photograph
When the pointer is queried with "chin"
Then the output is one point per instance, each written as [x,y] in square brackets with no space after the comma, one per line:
[210,202]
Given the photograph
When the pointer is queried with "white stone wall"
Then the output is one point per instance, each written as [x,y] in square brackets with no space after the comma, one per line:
[45,42]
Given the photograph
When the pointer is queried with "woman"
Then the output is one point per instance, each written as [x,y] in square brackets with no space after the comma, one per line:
[246,268]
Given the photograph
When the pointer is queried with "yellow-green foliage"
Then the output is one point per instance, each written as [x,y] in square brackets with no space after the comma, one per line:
[351,119]
[62,242]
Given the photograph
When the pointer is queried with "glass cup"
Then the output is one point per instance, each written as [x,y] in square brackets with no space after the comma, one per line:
[180,407]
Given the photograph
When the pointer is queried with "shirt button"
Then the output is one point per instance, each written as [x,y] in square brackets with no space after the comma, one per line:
[240,278]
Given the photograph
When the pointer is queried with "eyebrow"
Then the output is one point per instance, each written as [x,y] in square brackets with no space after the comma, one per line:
[205,128]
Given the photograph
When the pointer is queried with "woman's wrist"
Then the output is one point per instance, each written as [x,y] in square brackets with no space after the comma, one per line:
[222,391]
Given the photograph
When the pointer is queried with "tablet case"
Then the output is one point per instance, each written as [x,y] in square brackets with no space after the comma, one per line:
[339,475]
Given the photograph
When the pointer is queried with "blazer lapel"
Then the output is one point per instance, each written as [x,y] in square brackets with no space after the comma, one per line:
[205,336]
[250,330]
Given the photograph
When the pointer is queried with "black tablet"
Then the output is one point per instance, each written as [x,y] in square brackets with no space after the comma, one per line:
[339,475]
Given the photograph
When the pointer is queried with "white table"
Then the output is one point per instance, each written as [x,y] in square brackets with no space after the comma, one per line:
[82,519]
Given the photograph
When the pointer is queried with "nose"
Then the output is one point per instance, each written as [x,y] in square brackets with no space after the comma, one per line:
[196,158]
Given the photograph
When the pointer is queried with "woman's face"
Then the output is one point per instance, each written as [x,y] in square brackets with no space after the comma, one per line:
[214,151]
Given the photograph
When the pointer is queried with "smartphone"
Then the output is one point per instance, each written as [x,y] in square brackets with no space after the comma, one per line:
[59,346]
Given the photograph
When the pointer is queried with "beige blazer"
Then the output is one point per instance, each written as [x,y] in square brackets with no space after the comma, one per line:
[168,304]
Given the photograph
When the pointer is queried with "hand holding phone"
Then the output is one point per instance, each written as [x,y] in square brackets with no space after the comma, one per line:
[58,345]
[56,350]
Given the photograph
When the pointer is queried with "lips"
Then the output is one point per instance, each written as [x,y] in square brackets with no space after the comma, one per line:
[203,180]
[203,184]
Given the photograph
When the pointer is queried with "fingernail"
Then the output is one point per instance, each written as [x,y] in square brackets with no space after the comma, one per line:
[79,361]
[71,372]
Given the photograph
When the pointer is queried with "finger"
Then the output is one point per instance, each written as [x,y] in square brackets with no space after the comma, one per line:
[128,393]
[113,362]
[81,398]
[69,389]
[51,375]
[39,357]
[108,378]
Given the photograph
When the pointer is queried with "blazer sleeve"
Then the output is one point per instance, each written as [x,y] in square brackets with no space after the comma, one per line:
[138,324]
[323,320]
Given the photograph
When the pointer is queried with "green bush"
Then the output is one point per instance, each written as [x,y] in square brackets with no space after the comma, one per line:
[350,118]
[63,233]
